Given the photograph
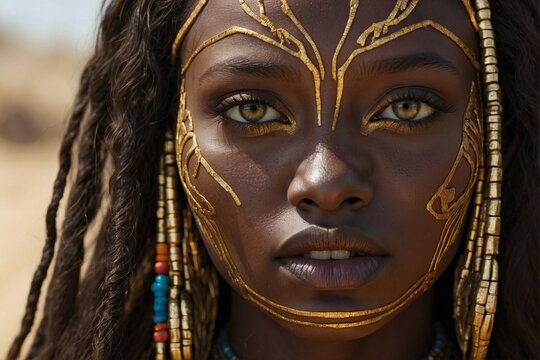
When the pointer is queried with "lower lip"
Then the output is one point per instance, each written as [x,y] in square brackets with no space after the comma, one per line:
[334,274]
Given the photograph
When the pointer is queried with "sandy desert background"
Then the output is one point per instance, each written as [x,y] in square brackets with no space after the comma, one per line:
[43,46]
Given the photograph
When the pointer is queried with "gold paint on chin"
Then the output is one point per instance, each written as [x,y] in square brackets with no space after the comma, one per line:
[203,209]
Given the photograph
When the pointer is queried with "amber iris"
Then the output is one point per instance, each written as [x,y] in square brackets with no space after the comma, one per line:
[253,112]
[406,109]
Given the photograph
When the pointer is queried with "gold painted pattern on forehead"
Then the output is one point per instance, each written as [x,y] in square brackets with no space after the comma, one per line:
[377,35]
[281,38]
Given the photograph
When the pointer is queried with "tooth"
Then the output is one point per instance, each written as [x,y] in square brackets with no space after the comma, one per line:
[340,254]
[320,255]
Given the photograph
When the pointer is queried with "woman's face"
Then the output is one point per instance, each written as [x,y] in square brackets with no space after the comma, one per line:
[330,172]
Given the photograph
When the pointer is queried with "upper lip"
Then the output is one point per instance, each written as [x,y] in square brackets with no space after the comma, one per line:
[316,238]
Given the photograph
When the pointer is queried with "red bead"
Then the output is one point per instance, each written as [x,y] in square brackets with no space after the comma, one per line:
[162,249]
[163,258]
[161,327]
[161,336]
[161,267]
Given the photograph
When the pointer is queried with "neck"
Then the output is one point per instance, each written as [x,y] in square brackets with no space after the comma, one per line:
[253,334]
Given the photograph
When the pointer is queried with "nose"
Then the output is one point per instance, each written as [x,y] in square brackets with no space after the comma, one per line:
[324,182]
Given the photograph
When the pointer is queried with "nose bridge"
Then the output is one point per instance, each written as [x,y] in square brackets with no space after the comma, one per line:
[330,178]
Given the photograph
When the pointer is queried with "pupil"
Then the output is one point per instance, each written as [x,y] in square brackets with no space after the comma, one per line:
[252,112]
[406,110]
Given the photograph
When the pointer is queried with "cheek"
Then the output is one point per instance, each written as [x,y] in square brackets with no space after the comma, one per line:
[410,173]
[246,229]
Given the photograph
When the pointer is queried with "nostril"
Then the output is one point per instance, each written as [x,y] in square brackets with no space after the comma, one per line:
[352,201]
[307,203]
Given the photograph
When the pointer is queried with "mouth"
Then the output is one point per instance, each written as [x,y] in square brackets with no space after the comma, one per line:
[331,259]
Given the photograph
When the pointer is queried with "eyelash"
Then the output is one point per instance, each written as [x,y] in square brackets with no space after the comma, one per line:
[219,110]
[414,94]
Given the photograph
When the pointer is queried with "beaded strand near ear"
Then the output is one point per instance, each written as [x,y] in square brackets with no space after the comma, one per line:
[160,287]
[173,223]
[185,288]
[477,273]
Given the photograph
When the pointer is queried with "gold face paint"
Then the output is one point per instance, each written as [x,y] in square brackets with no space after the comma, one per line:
[281,39]
[372,39]
[452,210]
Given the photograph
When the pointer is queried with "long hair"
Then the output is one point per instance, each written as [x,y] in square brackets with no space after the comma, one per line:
[127,97]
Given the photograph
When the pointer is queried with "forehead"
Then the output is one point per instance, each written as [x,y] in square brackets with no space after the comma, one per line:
[325,21]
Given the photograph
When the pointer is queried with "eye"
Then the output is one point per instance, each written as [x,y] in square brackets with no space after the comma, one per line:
[406,110]
[253,112]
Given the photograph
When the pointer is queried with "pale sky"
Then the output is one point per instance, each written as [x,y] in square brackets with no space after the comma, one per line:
[49,22]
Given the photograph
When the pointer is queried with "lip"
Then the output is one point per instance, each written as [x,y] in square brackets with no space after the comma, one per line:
[331,274]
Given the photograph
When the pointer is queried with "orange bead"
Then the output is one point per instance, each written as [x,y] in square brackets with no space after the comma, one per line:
[161,267]
[162,249]
[161,336]
[161,327]
[164,258]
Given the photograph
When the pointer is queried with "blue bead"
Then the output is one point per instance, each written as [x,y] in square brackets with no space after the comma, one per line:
[160,295]
[159,287]
[160,308]
[160,319]
[163,279]
[161,300]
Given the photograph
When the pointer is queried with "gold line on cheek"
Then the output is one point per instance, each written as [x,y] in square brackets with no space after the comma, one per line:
[453,210]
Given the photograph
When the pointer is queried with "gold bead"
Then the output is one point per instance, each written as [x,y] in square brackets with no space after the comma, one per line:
[493,225]
[174,312]
[494,145]
[487,43]
[487,52]
[169,147]
[170,159]
[173,293]
[494,191]
[170,182]
[485,25]
[174,323]
[491,78]
[495,160]
[493,87]
[491,245]
[174,335]
[171,222]
[495,174]
[483,290]
[493,136]
[494,207]
[494,108]
[486,327]
[487,34]
[482,4]
[484,14]
[175,351]
[494,95]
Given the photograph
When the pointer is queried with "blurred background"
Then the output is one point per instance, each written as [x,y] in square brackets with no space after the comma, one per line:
[43,47]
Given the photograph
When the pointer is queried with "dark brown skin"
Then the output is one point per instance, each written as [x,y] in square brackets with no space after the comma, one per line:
[125,102]
[378,183]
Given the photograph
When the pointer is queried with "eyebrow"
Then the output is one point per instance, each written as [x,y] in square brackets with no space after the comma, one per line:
[425,60]
[251,67]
